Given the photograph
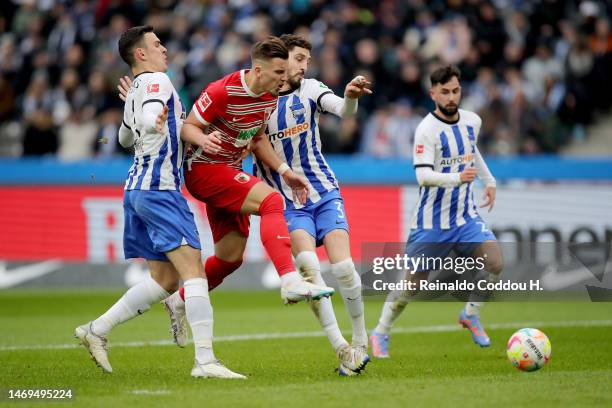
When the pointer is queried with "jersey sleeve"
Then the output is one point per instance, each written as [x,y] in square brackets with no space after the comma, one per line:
[424,148]
[208,105]
[158,89]
[316,90]
[476,121]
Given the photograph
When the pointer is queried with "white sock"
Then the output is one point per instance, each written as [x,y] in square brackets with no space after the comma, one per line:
[393,307]
[137,300]
[472,307]
[349,282]
[307,263]
[200,317]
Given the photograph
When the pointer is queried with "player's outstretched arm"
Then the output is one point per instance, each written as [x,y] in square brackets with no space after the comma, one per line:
[347,106]
[263,150]
[358,87]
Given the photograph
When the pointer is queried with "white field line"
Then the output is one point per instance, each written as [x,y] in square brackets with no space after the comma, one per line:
[291,335]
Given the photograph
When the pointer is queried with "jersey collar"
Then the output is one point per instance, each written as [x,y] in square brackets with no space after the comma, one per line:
[448,122]
[245,86]
[144,72]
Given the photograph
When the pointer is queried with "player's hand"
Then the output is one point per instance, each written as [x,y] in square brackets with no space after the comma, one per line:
[298,184]
[489,196]
[211,143]
[161,120]
[244,153]
[125,83]
[358,87]
[468,175]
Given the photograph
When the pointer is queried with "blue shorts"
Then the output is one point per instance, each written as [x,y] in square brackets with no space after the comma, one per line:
[157,222]
[438,243]
[320,218]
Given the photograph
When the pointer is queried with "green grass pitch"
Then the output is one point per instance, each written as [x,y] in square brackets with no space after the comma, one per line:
[434,362]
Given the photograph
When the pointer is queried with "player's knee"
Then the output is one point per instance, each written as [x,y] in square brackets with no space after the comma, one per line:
[345,273]
[308,264]
[273,203]
[494,265]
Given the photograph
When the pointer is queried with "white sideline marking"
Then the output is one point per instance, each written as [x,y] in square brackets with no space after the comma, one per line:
[291,335]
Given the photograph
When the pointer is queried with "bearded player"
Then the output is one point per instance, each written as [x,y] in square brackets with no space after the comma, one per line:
[446,161]
[293,130]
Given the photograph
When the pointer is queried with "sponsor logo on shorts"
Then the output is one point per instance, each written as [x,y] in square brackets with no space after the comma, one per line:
[242,178]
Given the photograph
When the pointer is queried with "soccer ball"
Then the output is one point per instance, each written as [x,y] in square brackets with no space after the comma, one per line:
[528,349]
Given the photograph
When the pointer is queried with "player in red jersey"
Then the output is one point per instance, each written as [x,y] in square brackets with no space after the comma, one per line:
[228,118]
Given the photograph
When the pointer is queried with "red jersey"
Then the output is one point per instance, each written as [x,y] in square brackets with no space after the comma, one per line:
[230,107]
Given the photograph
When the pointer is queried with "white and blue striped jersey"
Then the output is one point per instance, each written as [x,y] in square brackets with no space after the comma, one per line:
[293,130]
[447,148]
[158,157]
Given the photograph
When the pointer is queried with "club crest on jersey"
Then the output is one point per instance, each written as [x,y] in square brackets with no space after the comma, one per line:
[419,149]
[152,88]
[242,178]
[297,110]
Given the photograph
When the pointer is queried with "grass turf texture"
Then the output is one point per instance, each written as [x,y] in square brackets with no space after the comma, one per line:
[426,369]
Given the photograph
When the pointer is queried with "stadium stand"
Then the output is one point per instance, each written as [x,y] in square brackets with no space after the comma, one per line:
[536,71]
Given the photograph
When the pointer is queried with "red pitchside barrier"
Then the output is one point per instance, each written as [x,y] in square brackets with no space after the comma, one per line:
[85,224]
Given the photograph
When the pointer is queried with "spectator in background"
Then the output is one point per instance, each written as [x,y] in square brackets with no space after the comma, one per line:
[390,133]
[40,136]
[541,67]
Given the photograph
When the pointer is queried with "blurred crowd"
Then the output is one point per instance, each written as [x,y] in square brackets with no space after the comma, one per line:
[537,71]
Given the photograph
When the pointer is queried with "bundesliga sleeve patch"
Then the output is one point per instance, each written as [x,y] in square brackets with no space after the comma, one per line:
[419,149]
[204,102]
[152,88]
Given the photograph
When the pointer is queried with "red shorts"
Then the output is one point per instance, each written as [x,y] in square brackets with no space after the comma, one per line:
[223,189]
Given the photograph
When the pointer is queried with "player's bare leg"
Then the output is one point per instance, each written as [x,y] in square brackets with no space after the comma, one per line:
[199,312]
[469,317]
[268,204]
[137,300]
[393,307]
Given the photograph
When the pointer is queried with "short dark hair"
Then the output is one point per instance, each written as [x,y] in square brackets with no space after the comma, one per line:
[268,49]
[129,40]
[444,74]
[293,40]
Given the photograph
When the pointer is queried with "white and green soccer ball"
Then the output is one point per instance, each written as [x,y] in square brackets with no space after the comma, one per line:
[528,349]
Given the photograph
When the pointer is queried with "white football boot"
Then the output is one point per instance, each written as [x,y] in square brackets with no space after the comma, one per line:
[178,321]
[298,290]
[214,370]
[96,345]
[352,360]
